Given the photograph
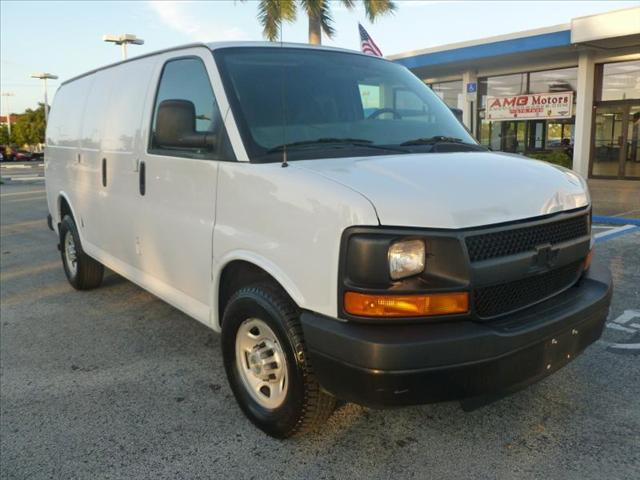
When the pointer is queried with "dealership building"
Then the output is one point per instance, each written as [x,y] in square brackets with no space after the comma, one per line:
[569,91]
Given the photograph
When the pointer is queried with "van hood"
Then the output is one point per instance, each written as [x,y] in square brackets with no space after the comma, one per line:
[455,190]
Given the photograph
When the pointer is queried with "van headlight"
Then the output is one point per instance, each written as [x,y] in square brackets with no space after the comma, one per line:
[406,258]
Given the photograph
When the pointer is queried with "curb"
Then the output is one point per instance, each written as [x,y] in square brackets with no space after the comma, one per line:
[615,220]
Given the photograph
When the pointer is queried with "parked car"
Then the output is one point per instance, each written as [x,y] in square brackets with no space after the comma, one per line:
[14,154]
[385,259]
[23,156]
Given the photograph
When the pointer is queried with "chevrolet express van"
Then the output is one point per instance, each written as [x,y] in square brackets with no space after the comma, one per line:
[328,215]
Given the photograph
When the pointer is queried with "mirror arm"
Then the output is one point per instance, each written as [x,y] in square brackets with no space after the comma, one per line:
[197,140]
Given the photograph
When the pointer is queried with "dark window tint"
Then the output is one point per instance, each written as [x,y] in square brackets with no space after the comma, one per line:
[308,98]
[186,119]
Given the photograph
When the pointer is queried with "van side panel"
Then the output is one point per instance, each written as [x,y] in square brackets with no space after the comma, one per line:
[104,117]
[116,213]
[90,162]
[63,142]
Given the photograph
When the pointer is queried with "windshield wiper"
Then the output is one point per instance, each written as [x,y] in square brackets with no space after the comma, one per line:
[434,140]
[356,142]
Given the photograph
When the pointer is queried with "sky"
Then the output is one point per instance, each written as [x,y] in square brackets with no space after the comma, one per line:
[65,37]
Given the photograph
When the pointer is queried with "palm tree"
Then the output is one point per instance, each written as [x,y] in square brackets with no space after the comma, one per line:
[271,14]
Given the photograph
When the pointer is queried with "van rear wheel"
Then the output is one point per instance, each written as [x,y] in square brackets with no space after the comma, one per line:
[83,272]
[267,364]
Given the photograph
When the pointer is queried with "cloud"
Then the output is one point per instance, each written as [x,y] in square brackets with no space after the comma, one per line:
[176,15]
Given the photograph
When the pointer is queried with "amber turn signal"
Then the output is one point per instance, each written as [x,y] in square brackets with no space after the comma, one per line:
[365,305]
[587,260]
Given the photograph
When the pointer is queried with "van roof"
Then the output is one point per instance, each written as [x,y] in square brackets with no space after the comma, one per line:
[214,46]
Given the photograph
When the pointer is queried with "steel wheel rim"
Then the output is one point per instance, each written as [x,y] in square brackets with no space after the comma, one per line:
[70,254]
[261,363]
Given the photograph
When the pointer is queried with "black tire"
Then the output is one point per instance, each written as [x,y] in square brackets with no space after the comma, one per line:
[306,406]
[89,272]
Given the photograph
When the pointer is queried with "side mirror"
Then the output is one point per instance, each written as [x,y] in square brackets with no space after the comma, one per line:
[176,127]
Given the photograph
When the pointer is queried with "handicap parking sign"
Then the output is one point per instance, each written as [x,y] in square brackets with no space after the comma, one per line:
[472,87]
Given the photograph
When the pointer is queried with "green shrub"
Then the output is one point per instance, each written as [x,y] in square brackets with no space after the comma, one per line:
[556,157]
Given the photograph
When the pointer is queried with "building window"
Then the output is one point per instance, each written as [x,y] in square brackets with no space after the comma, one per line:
[621,81]
[502,86]
[449,92]
[550,81]
[560,134]
[537,136]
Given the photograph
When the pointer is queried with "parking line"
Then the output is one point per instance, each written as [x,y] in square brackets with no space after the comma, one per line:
[30,199]
[627,316]
[615,233]
[615,326]
[15,194]
[23,178]
[624,346]
[613,230]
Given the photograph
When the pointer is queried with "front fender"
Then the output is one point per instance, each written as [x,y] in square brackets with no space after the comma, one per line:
[259,261]
[289,222]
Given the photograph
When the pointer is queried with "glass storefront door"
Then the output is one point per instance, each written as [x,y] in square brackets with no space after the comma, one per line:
[632,153]
[536,135]
[616,141]
[513,136]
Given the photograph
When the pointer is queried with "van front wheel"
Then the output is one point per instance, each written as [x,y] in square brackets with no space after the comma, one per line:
[83,272]
[267,364]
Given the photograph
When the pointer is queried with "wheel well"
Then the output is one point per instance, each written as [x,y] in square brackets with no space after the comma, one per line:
[65,209]
[236,275]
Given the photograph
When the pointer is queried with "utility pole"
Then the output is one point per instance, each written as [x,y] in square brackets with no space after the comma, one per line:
[45,76]
[6,96]
[123,40]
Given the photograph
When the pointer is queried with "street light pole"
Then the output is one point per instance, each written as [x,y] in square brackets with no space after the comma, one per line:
[6,96]
[123,40]
[45,76]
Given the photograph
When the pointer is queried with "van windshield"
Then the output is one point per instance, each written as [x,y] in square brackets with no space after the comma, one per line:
[320,104]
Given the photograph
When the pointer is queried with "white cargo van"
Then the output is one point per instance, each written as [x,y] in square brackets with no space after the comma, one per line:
[326,212]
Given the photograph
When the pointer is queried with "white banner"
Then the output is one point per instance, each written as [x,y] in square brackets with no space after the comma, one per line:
[526,107]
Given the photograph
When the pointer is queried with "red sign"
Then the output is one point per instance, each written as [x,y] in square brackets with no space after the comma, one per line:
[525,107]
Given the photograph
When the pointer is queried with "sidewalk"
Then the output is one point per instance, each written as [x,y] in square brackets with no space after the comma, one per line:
[615,198]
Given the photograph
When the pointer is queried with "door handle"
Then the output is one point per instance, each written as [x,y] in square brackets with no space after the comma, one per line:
[142,178]
[104,172]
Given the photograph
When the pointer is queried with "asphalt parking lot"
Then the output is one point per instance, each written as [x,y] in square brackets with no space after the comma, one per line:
[22,172]
[114,383]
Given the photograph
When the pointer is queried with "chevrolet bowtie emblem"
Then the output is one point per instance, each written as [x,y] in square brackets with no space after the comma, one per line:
[546,256]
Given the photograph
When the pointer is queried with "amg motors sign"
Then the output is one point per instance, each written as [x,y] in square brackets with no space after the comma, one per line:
[526,107]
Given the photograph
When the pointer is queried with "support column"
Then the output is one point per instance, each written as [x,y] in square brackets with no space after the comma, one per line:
[470,101]
[584,112]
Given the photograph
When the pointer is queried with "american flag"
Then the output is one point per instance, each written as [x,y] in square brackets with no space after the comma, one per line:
[367,45]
